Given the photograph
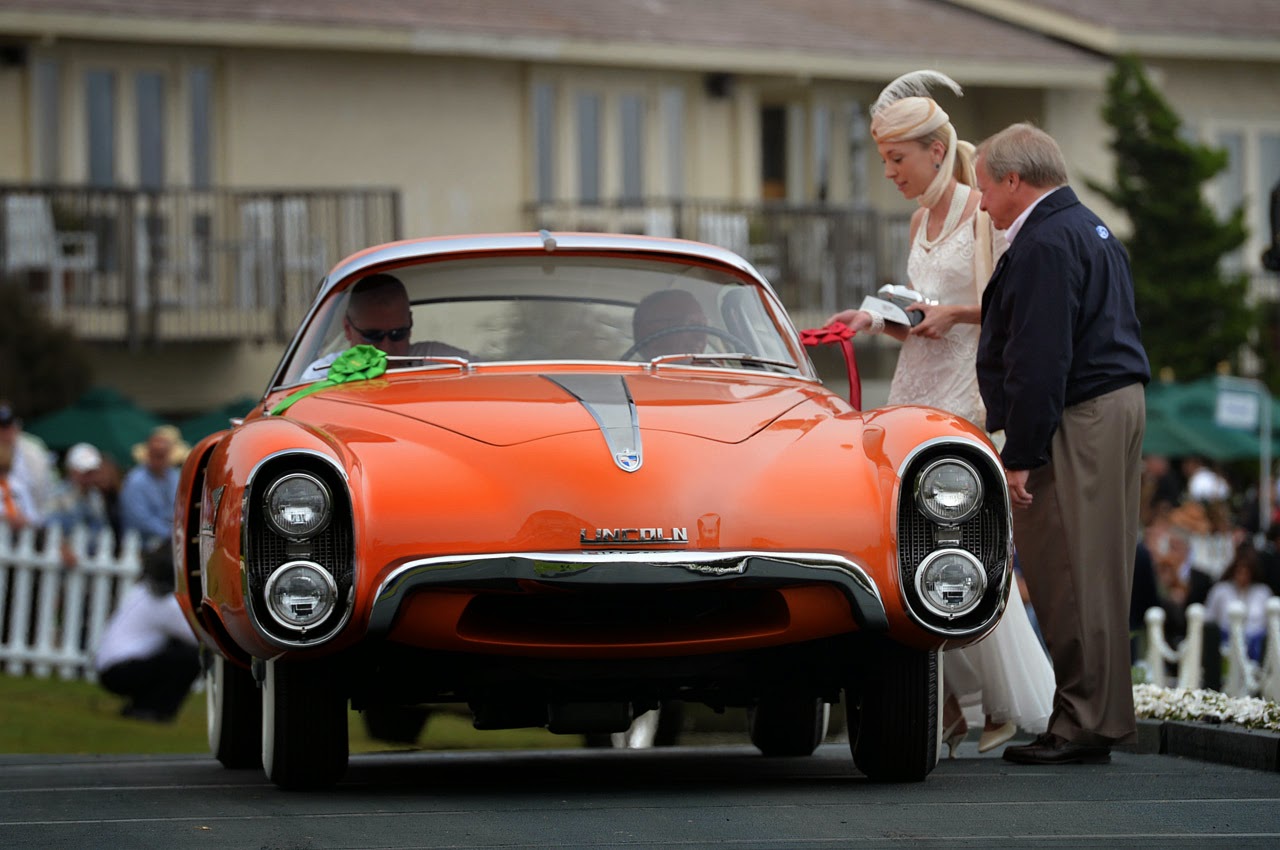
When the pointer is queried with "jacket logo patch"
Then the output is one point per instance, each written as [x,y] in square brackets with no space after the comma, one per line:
[1103,232]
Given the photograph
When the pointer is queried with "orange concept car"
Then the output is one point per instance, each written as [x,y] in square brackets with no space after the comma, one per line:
[561,479]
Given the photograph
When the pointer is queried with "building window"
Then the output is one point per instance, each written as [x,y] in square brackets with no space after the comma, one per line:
[773,152]
[673,142]
[544,142]
[1253,169]
[589,148]
[100,99]
[149,97]
[631,115]
[46,77]
[821,118]
[200,94]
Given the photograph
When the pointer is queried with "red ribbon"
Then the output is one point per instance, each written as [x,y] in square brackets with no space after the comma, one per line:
[839,332]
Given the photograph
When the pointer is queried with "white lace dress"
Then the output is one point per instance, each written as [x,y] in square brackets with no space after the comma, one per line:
[1008,672]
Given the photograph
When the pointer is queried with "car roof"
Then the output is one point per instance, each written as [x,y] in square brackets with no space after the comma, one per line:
[395,253]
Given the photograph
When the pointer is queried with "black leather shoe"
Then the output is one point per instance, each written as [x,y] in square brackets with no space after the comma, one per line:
[1050,749]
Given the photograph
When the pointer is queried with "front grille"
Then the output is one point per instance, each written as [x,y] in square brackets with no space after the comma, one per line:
[985,535]
[330,549]
[634,616]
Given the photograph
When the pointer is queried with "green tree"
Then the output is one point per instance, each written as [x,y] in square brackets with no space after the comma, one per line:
[45,367]
[1193,315]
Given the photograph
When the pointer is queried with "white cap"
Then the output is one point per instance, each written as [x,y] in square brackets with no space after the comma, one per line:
[83,457]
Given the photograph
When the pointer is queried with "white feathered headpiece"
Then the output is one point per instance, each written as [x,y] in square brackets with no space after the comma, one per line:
[913,84]
[904,111]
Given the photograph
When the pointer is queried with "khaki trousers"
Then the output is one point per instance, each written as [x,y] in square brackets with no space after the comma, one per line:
[1077,544]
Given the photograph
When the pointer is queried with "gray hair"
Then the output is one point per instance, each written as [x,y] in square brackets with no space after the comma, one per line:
[1027,151]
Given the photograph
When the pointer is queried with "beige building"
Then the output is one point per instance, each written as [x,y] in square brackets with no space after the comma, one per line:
[178,175]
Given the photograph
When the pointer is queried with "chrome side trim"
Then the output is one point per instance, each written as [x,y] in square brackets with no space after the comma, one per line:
[609,402]
[511,571]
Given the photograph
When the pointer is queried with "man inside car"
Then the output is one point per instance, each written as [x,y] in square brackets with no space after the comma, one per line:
[378,314]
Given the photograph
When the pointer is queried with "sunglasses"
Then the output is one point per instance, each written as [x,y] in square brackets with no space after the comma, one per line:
[395,334]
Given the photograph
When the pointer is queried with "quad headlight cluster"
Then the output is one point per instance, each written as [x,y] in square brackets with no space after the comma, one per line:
[950,581]
[300,593]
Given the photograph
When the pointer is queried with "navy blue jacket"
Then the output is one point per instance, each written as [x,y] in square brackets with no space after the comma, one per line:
[1058,326]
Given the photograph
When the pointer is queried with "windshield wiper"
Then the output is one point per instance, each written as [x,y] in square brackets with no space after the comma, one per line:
[707,356]
[428,359]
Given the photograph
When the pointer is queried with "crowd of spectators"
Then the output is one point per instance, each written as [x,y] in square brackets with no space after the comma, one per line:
[147,652]
[1203,543]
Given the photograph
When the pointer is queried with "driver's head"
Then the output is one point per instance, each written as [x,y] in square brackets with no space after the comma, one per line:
[378,314]
[665,309]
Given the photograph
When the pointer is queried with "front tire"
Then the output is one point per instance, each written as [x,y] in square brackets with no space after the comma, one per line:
[233,710]
[788,726]
[304,726]
[893,726]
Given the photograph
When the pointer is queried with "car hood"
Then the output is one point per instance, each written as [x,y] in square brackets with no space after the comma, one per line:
[505,409]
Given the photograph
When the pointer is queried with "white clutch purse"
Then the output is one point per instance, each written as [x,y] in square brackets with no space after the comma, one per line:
[890,303]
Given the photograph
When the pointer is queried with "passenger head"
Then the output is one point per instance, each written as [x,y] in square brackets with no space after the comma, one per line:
[378,314]
[1016,166]
[667,310]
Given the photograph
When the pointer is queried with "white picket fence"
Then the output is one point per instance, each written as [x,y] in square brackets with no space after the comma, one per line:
[1243,675]
[51,615]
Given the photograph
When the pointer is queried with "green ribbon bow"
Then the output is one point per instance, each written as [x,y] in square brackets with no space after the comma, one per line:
[357,363]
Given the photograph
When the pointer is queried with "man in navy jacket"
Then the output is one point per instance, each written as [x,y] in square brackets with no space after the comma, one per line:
[1061,369]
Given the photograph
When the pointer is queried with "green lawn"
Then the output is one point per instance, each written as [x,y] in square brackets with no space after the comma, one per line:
[57,717]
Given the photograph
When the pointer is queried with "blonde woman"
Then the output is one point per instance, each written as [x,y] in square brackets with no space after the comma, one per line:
[953,250]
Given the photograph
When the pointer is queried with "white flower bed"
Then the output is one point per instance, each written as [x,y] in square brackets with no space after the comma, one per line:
[1157,703]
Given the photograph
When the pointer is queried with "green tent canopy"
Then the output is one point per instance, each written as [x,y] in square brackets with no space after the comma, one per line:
[102,417]
[1181,422]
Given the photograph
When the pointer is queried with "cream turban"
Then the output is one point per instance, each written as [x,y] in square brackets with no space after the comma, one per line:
[905,112]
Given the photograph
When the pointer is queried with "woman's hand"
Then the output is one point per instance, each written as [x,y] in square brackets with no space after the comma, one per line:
[938,319]
[857,320]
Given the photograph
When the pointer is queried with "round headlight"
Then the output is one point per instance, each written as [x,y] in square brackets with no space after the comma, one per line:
[951,582]
[949,491]
[297,506]
[301,594]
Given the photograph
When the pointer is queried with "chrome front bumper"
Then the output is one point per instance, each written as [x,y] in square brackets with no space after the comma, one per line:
[612,570]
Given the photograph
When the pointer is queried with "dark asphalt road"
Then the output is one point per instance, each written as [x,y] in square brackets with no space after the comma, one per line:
[719,797]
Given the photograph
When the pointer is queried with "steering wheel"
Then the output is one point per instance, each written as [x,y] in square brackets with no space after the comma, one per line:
[734,341]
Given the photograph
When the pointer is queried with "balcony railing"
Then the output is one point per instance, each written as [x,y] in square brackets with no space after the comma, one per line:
[819,259]
[146,266]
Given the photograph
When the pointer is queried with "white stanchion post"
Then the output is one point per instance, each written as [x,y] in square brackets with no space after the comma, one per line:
[1270,687]
[1241,681]
[1191,652]
[1156,647]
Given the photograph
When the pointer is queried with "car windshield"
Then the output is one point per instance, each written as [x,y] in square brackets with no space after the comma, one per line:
[551,308]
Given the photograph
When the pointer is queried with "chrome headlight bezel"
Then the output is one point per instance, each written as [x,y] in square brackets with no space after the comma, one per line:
[323,610]
[271,512]
[926,495]
[927,572]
